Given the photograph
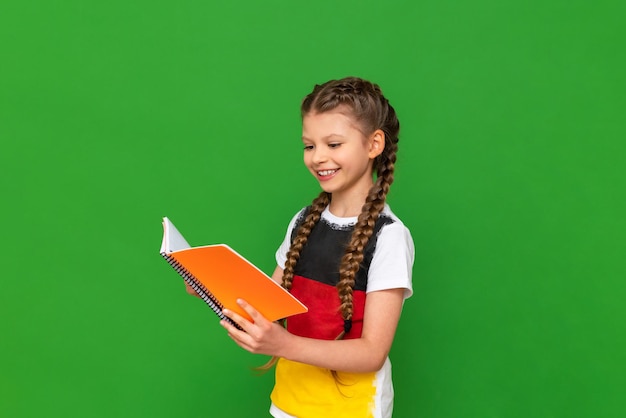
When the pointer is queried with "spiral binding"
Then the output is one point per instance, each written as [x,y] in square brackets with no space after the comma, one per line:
[202,291]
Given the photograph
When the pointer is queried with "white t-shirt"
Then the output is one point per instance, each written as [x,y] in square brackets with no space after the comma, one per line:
[390,268]
[393,259]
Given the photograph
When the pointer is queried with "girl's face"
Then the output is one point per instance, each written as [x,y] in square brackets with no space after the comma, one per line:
[339,155]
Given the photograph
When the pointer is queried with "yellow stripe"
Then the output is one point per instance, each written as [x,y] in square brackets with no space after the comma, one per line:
[311,392]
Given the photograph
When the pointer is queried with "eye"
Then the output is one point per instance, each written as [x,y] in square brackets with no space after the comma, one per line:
[308,147]
[334,145]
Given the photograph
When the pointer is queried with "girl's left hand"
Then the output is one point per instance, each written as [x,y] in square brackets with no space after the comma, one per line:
[260,336]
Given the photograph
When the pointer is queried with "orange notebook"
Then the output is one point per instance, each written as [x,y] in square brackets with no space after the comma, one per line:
[220,276]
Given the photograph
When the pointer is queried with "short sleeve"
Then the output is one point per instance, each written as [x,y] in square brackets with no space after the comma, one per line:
[392,264]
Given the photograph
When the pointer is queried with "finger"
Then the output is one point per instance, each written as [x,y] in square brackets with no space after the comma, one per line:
[190,290]
[241,338]
[238,319]
[232,335]
[254,314]
[233,332]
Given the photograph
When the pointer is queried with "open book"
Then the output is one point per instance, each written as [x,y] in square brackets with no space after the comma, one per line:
[220,276]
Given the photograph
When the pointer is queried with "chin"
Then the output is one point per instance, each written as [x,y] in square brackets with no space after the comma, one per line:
[326,188]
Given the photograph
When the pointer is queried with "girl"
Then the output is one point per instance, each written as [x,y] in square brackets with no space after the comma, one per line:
[347,257]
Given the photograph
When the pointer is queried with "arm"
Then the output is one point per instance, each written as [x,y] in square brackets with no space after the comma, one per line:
[277,276]
[365,354]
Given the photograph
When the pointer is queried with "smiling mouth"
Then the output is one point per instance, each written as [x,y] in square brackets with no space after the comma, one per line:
[325,173]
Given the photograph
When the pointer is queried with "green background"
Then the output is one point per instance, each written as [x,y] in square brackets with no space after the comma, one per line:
[510,176]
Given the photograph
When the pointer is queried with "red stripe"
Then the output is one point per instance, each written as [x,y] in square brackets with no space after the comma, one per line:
[323,320]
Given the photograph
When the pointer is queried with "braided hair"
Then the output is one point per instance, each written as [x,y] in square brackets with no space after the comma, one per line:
[372,111]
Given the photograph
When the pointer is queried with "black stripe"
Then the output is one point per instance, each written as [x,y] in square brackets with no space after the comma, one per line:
[321,256]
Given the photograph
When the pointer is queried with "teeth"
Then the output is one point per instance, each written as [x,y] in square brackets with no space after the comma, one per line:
[326,172]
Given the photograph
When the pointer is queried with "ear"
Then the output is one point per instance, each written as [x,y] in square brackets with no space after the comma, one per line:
[376,143]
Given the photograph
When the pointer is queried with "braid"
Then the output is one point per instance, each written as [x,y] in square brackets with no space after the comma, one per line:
[351,261]
[317,207]
[372,111]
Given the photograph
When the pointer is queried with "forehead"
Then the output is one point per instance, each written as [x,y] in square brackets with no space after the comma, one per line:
[320,125]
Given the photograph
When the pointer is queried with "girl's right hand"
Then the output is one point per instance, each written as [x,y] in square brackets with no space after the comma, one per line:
[259,336]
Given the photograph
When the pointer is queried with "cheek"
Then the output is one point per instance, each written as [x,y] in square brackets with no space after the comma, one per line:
[307,159]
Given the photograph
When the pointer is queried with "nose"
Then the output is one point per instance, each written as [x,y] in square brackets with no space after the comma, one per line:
[319,155]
